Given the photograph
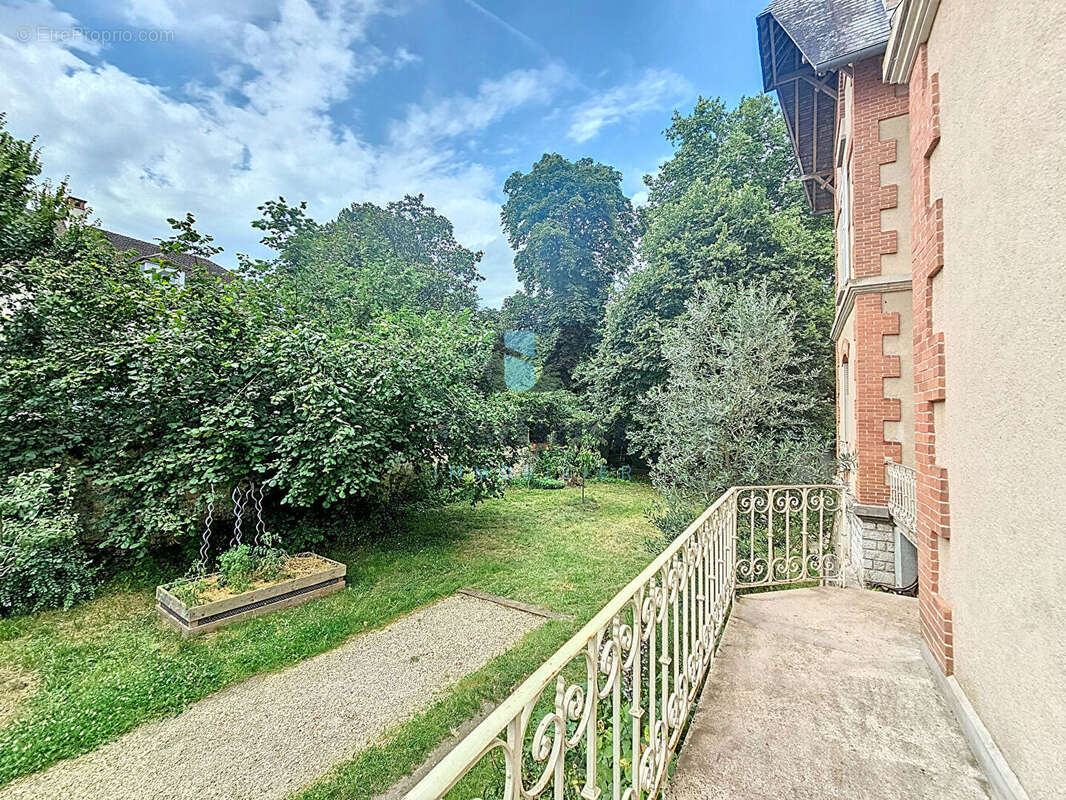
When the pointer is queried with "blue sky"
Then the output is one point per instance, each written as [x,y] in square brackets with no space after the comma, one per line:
[155,108]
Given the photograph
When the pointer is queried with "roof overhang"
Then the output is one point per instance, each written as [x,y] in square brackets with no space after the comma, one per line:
[911,23]
[808,99]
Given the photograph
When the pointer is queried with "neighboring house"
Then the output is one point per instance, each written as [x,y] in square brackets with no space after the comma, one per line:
[147,253]
[935,132]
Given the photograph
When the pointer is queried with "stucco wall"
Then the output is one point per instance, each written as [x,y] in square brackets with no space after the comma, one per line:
[846,423]
[1001,303]
[898,216]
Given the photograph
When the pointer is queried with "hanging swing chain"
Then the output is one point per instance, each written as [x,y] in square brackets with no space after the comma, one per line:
[201,565]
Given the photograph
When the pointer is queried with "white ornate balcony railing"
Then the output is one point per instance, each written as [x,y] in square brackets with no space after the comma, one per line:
[603,716]
[790,533]
[902,494]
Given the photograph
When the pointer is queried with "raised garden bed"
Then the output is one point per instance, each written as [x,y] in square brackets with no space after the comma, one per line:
[305,576]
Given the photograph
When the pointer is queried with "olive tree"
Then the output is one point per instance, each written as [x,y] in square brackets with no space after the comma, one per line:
[732,410]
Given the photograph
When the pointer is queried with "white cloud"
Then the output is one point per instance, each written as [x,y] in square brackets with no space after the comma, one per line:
[461,114]
[37,21]
[140,153]
[401,57]
[656,90]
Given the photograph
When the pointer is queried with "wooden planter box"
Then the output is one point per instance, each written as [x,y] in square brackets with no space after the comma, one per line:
[282,594]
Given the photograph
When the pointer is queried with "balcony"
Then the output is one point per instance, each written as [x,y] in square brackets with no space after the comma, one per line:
[903,496]
[816,692]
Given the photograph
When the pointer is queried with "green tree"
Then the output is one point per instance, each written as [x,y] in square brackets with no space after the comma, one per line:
[368,260]
[33,215]
[281,223]
[748,144]
[717,211]
[419,235]
[42,561]
[731,410]
[371,259]
[145,393]
[572,231]
[186,239]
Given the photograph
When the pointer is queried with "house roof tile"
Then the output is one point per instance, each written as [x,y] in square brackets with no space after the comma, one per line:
[147,250]
[827,31]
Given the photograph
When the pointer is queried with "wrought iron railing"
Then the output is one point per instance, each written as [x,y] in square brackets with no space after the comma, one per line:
[603,716]
[902,494]
[788,535]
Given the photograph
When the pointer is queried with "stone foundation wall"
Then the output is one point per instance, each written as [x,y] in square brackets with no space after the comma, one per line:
[855,542]
[872,536]
[879,552]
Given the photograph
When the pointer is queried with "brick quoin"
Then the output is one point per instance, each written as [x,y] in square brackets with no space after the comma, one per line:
[927,259]
[873,101]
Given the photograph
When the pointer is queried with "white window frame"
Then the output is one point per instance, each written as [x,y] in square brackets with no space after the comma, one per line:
[845,405]
[844,227]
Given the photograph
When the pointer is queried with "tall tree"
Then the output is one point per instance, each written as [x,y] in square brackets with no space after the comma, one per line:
[573,234]
[726,206]
[369,260]
[572,230]
[419,236]
[748,144]
[32,214]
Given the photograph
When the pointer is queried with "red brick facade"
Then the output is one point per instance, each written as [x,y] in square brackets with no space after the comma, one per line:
[872,408]
[927,260]
[872,102]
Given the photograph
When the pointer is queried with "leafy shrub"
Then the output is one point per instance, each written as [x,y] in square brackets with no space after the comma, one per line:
[270,562]
[733,409]
[189,592]
[671,517]
[42,561]
[240,566]
[556,417]
[237,567]
[554,461]
[351,358]
[540,482]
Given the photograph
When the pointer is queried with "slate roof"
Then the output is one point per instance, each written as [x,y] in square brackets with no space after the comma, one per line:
[827,31]
[803,45]
[147,250]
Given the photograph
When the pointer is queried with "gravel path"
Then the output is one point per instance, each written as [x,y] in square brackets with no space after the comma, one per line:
[274,734]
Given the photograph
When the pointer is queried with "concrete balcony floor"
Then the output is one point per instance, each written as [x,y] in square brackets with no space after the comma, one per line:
[823,693]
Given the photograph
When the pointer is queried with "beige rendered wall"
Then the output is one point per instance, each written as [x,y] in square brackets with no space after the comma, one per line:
[897,173]
[1001,303]
[847,426]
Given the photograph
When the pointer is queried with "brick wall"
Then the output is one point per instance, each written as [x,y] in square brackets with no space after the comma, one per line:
[927,259]
[873,101]
[872,408]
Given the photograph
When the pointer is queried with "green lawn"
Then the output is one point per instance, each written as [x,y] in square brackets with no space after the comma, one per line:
[99,670]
